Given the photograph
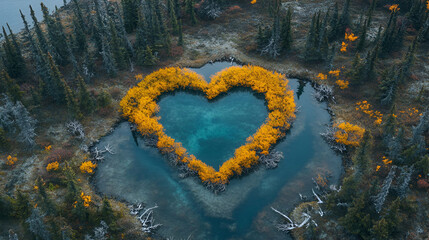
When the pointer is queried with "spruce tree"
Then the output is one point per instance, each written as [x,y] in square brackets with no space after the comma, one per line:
[86,101]
[80,43]
[43,43]
[344,19]
[286,31]
[191,11]
[149,60]
[180,41]
[78,13]
[56,36]
[172,17]
[130,13]
[333,24]
[12,60]
[119,52]
[36,55]
[14,40]
[21,205]
[361,159]
[370,13]
[55,87]
[107,213]
[10,87]
[362,36]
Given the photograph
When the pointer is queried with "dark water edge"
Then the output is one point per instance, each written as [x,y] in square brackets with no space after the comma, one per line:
[140,174]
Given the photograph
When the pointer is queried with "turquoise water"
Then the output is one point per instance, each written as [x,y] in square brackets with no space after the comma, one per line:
[9,11]
[211,131]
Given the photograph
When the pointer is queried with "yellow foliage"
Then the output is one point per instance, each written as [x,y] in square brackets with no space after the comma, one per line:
[48,148]
[427,5]
[53,166]
[394,8]
[140,107]
[87,167]
[343,47]
[342,84]
[86,199]
[253,2]
[10,161]
[335,73]
[322,76]
[378,168]
[386,161]
[348,134]
[351,37]
[365,107]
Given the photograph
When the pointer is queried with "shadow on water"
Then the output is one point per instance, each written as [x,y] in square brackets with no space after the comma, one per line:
[137,173]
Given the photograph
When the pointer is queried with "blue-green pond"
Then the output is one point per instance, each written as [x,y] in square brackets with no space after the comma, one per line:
[212,130]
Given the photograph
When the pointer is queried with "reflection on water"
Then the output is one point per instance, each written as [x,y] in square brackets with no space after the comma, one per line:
[140,173]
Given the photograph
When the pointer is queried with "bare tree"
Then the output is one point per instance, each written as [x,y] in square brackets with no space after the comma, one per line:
[16,120]
[381,196]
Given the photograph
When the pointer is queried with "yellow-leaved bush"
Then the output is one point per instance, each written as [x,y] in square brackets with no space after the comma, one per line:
[348,134]
[140,107]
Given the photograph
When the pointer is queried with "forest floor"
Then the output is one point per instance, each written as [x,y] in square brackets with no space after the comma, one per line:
[231,35]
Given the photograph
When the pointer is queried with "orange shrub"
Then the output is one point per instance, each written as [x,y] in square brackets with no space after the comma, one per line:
[53,166]
[348,134]
[87,167]
[140,107]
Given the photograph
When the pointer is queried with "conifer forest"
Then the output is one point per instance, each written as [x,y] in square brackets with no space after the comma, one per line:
[214,119]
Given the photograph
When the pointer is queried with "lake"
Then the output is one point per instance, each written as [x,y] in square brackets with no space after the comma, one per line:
[212,130]
[9,11]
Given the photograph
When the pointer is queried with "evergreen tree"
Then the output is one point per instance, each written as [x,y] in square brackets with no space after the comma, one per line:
[388,85]
[286,31]
[333,24]
[357,220]
[362,37]
[107,213]
[316,47]
[273,45]
[172,17]
[9,86]
[56,36]
[370,13]
[180,41]
[361,159]
[21,205]
[86,101]
[43,43]
[130,13]
[78,13]
[54,87]
[72,104]
[80,43]
[391,38]
[191,11]
[12,60]
[14,40]
[119,52]
[149,60]
[344,19]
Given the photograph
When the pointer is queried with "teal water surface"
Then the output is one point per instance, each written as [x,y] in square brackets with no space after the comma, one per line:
[211,131]
[9,11]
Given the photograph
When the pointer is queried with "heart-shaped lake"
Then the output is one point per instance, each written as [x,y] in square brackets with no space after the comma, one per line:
[212,130]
